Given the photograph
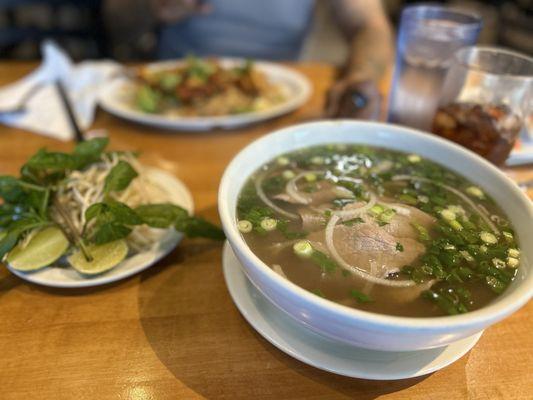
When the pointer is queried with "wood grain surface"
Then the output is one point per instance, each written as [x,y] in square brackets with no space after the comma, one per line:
[173,332]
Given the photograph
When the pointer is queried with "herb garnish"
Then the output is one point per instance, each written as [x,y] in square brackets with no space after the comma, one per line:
[32,202]
[360,297]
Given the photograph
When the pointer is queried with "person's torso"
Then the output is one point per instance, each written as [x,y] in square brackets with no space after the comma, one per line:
[264,29]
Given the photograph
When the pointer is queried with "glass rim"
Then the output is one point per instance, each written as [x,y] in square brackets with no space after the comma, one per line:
[474,23]
[459,58]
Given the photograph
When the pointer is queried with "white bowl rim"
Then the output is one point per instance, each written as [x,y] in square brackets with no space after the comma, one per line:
[493,312]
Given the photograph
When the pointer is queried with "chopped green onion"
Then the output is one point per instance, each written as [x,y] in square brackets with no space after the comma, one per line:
[303,249]
[488,237]
[244,226]
[515,253]
[456,225]
[508,236]
[498,263]
[457,209]
[423,199]
[353,221]
[343,193]
[283,161]
[360,297]
[377,209]
[269,224]
[399,247]
[512,262]
[322,260]
[387,215]
[310,177]
[466,255]
[422,232]
[483,249]
[288,174]
[414,158]
[495,284]
[475,191]
[408,199]
[448,215]
[317,160]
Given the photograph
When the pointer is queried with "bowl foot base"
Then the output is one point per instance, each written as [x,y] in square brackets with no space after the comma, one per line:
[326,354]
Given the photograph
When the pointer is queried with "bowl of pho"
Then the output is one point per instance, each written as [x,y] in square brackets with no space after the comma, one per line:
[377,235]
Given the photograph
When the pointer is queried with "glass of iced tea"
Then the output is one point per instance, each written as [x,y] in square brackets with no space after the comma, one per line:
[486,101]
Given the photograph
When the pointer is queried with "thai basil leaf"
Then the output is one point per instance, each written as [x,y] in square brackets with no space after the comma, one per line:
[8,242]
[119,177]
[53,161]
[161,215]
[16,229]
[10,189]
[109,232]
[113,221]
[198,227]
[112,211]
[89,151]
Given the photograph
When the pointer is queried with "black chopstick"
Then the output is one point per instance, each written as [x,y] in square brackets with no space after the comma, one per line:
[78,133]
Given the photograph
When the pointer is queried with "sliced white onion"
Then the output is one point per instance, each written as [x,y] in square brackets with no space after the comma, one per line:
[357,271]
[400,208]
[344,214]
[292,189]
[458,193]
[266,200]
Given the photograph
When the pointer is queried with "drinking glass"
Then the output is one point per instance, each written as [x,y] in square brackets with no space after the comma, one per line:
[428,38]
[487,99]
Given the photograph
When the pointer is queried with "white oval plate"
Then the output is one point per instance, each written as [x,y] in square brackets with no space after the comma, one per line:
[67,277]
[323,353]
[116,98]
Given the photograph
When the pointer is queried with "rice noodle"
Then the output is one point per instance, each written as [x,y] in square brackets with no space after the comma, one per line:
[268,202]
[458,193]
[357,271]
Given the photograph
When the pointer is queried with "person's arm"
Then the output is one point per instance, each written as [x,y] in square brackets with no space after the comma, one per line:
[371,53]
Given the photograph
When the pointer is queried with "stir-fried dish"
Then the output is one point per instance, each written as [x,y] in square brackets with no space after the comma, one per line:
[89,209]
[206,88]
[379,230]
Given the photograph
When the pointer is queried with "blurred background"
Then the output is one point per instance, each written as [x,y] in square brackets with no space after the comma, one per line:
[127,29]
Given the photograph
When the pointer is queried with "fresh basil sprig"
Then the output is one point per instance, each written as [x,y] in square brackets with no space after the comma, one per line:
[29,199]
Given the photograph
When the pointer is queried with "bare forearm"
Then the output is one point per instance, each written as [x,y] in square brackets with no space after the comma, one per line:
[369,33]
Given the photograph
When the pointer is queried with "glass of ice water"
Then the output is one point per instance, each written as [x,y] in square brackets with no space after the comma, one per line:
[428,37]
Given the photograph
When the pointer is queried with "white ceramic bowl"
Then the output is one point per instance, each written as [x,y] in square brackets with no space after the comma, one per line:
[361,328]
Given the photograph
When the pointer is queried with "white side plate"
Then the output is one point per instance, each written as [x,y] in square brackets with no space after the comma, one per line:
[116,98]
[67,277]
[323,353]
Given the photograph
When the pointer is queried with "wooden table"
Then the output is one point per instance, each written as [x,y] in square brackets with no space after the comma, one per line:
[173,331]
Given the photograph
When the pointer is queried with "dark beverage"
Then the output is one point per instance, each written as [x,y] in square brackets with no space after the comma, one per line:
[490,130]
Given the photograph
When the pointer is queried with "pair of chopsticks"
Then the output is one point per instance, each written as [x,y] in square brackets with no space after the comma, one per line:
[78,133]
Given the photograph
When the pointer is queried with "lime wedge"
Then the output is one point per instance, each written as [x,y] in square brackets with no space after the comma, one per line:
[43,249]
[104,257]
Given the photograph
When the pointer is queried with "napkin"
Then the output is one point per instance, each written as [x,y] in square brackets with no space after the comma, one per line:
[45,113]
